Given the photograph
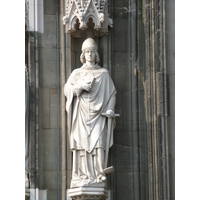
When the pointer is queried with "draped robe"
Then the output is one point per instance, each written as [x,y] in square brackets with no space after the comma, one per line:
[85,122]
[86,125]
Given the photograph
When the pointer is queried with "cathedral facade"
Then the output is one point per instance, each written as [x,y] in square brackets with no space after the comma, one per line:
[136,44]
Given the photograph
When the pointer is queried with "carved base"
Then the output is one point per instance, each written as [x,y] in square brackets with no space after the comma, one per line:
[88,193]
[87,183]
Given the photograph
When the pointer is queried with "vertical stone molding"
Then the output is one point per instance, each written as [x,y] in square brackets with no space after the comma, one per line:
[80,11]
[26,101]
[156,100]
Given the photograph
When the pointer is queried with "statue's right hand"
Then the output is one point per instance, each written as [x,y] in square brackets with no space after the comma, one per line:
[87,87]
[78,90]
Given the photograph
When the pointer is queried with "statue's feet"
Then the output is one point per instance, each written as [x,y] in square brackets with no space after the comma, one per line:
[103,178]
[84,177]
[92,179]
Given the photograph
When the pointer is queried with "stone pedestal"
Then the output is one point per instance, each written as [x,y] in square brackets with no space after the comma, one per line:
[88,193]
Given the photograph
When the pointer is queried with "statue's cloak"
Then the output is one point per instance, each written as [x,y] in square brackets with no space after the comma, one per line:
[86,125]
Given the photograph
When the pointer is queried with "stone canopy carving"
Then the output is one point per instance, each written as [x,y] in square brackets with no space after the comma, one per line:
[82,10]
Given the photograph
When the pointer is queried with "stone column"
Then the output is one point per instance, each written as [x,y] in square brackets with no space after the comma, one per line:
[156,100]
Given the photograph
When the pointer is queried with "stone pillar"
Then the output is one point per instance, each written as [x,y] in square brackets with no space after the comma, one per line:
[63,113]
[156,101]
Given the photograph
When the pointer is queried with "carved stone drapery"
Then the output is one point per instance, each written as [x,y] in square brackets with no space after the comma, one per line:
[82,10]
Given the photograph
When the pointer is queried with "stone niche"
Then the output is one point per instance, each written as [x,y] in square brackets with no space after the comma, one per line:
[88,19]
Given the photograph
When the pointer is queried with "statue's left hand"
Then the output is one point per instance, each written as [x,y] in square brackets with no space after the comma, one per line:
[110,113]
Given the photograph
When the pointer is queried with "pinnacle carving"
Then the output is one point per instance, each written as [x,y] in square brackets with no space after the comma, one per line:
[82,10]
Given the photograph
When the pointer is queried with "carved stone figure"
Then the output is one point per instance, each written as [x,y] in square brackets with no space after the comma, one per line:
[91,97]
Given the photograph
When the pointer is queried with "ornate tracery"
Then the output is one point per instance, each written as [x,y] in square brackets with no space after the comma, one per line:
[80,11]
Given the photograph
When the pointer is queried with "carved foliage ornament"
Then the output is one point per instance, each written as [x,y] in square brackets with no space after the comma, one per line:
[83,10]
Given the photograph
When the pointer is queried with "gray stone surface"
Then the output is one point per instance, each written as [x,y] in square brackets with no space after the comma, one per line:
[54,108]
[51,7]
[171,87]
[49,69]
[51,179]
[123,138]
[124,189]
[121,31]
[122,71]
[45,107]
[49,73]
[170,62]
[49,39]
[53,194]
[50,151]
[123,161]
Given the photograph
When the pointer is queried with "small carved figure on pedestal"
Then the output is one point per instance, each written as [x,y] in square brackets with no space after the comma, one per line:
[91,98]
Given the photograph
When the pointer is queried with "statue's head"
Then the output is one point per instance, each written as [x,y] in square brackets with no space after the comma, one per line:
[89,44]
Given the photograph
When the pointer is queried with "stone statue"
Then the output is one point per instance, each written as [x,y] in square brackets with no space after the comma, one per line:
[91,97]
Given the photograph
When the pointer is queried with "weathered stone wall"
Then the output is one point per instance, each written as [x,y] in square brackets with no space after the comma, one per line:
[159,97]
[129,151]
[49,102]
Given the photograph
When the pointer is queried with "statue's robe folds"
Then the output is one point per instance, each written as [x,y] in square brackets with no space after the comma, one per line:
[86,125]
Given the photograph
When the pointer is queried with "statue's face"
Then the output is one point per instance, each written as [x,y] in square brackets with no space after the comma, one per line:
[89,55]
